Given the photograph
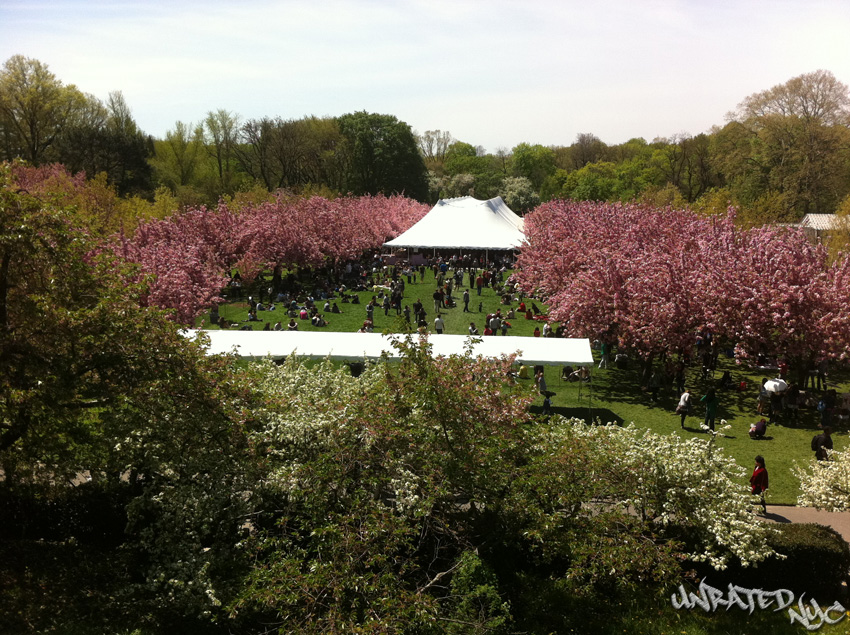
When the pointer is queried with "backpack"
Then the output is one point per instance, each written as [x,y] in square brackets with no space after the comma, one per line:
[821,405]
[816,442]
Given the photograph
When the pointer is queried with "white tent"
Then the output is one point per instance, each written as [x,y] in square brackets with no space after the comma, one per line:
[360,346]
[465,223]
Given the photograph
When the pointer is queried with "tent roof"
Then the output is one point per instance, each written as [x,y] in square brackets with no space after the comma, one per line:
[820,221]
[465,223]
[360,346]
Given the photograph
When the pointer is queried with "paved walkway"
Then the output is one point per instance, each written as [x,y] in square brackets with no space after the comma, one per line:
[839,521]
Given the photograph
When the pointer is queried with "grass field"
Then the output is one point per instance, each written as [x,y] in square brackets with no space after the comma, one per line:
[615,395]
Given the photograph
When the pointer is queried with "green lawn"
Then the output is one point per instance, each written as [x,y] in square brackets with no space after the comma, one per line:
[615,395]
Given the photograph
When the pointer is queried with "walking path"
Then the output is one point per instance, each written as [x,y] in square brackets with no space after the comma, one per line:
[839,521]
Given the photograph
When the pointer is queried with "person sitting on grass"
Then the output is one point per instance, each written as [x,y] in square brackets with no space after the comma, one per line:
[581,374]
[292,326]
[758,429]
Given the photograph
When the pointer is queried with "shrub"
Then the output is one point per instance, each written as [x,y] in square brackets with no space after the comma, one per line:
[816,563]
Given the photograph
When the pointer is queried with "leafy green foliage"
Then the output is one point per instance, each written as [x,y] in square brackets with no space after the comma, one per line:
[383,156]
[477,605]
[384,486]
[534,162]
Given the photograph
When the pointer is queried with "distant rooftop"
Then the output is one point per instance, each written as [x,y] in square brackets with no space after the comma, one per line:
[819,222]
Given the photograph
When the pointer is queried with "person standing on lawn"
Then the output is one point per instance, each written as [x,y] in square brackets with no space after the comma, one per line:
[821,443]
[605,349]
[439,325]
[684,406]
[711,403]
[759,481]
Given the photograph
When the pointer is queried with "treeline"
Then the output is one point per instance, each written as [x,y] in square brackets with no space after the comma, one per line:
[783,152]
[44,121]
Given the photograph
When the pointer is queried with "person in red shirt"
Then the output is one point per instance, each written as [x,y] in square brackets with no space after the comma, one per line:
[536,331]
[759,481]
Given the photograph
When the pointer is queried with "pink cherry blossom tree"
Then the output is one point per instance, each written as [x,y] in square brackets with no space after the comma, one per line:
[626,270]
[188,254]
[655,276]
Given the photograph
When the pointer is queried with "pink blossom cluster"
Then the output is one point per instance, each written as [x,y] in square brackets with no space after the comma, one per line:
[655,277]
[189,253]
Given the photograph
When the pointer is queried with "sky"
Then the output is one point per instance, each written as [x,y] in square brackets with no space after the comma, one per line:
[492,73]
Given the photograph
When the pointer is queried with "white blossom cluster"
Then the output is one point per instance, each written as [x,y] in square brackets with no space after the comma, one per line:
[663,480]
[315,412]
[825,484]
[689,482]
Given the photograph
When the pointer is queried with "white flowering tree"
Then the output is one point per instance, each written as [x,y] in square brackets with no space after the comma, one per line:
[376,491]
[683,483]
[825,484]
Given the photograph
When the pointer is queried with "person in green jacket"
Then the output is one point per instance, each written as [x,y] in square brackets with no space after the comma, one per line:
[711,402]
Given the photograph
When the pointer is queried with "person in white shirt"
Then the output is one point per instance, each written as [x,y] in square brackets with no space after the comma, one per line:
[439,325]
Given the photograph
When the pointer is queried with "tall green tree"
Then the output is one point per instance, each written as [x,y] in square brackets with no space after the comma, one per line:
[588,148]
[34,109]
[108,141]
[293,153]
[534,162]
[221,135]
[382,156]
[434,144]
[791,143]
[76,347]
[179,159]
[462,158]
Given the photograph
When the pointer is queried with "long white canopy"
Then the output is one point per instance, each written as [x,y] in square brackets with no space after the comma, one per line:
[465,223]
[360,346]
